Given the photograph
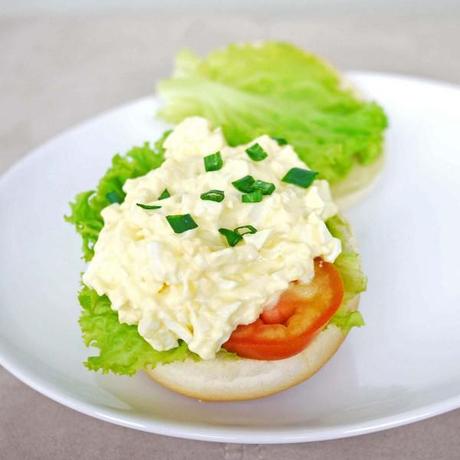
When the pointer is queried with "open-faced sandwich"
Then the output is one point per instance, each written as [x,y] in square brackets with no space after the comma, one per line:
[223,271]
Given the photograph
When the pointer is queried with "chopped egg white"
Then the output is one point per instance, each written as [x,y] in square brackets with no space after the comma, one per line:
[193,286]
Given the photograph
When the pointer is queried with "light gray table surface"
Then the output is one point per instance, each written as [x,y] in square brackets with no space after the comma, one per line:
[58,70]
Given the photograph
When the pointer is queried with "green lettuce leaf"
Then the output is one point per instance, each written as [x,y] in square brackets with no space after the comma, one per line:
[347,320]
[349,261]
[349,266]
[277,89]
[121,349]
[86,208]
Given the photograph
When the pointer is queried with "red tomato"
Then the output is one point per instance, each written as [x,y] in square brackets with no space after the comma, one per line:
[301,312]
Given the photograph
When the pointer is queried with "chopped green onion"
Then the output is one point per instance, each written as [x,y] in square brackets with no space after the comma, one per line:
[245,229]
[114,197]
[180,223]
[164,194]
[253,197]
[256,152]
[255,188]
[301,177]
[213,162]
[267,188]
[232,237]
[213,195]
[245,184]
[280,140]
[148,206]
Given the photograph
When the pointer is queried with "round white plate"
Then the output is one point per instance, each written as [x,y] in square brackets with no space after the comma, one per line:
[402,367]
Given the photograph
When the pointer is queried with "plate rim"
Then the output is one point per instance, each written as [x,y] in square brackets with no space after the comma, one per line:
[202,431]
[233,434]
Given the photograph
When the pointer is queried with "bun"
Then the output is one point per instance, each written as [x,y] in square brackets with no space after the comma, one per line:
[358,184]
[226,379]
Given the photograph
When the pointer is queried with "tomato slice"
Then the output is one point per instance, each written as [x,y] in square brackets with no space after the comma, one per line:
[301,312]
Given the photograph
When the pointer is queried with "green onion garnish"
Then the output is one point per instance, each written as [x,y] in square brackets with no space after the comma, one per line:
[245,184]
[301,177]
[213,162]
[180,223]
[280,140]
[232,237]
[114,197]
[267,188]
[213,195]
[254,189]
[256,152]
[148,206]
[253,197]
[245,229]
[164,194]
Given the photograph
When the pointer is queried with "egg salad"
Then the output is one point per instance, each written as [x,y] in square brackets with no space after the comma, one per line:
[211,238]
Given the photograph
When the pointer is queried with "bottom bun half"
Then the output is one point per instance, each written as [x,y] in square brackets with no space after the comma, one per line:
[225,379]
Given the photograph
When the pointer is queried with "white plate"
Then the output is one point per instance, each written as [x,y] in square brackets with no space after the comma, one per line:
[402,367]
